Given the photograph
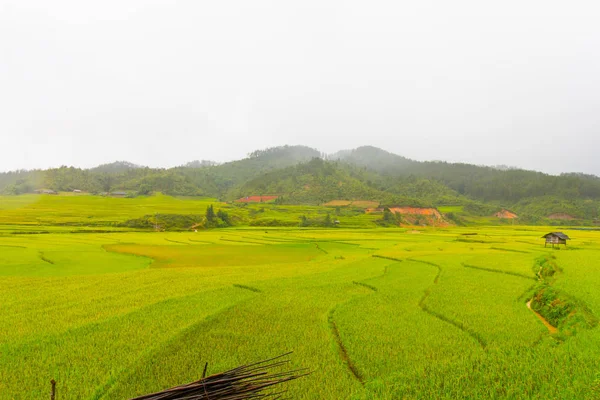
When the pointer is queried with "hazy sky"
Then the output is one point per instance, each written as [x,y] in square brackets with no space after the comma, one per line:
[161,83]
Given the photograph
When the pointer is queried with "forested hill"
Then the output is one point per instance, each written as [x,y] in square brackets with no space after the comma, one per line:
[374,158]
[303,175]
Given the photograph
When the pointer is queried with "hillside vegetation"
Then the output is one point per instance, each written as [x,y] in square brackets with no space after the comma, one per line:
[302,175]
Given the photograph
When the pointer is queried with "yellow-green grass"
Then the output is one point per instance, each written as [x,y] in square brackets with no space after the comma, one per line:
[365,204]
[375,314]
[353,203]
[85,213]
[338,203]
[451,209]
[291,214]
[92,210]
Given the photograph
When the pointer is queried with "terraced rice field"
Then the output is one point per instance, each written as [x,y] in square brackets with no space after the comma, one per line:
[375,314]
[352,203]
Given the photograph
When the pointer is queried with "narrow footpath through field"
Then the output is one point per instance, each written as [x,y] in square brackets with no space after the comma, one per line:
[551,328]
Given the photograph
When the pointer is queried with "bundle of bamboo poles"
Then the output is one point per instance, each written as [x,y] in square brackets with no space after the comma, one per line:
[251,381]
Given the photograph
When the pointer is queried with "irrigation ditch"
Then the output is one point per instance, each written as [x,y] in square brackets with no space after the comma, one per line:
[561,313]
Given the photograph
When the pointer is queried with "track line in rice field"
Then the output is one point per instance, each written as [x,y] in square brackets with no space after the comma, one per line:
[246,287]
[510,250]
[552,329]
[387,258]
[526,242]
[281,239]
[176,241]
[264,241]
[366,285]
[457,324]
[320,248]
[345,243]
[342,349]
[201,241]
[336,333]
[44,258]
[497,271]
[371,287]
[111,239]
[103,390]
[242,241]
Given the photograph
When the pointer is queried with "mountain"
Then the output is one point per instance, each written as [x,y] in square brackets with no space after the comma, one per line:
[217,180]
[485,184]
[314,182]
[200,164]
[319,181]
[116,167]
[303,175]
[373,158]
[261,161]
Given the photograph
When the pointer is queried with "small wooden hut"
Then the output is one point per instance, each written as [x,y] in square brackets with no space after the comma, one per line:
[555,238]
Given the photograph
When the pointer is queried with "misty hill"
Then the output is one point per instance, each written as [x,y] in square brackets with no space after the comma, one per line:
[261,161]
[219,179]
[116,167]
[301,175]
[509,187]
[317,181]
[208,179]
[373,158]
[200,164]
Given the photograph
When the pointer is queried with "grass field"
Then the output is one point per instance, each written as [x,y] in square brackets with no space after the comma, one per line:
[68,213]
[374,313]
[352,203]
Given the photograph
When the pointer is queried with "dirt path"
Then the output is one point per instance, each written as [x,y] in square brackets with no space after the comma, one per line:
[551,328]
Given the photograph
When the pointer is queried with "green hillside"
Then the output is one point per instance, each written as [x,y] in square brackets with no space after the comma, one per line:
[302,175]
[375,159]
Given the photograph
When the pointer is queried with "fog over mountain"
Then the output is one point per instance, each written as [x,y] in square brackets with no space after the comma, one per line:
[162,83]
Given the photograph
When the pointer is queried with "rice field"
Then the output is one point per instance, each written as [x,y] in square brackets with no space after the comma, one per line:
[87,210]
[352,203]
[374,313]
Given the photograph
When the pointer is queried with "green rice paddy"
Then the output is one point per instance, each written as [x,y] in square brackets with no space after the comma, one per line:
[373,313]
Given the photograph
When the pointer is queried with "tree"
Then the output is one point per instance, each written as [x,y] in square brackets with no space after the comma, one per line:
[303,220]
[106,181]
[224,216]
[211,217]
[144,189]
[389,217]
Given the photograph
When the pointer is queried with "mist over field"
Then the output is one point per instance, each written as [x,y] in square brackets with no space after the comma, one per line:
[160,83]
